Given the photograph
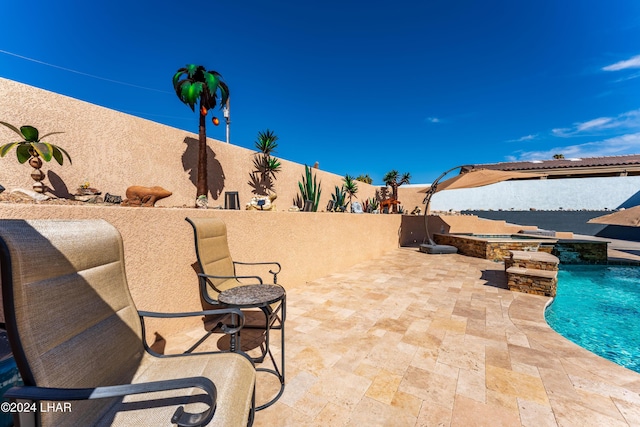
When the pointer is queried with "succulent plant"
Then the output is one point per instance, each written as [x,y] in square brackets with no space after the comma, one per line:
[310,188]
[339,199]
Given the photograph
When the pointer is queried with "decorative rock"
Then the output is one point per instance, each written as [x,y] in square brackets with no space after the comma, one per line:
[30,193]
[110,198]
[87,191]
[95,198]
[144,196]
[262,203]
[356,207]
[202,202]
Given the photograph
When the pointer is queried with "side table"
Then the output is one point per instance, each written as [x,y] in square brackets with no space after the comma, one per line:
[260,296]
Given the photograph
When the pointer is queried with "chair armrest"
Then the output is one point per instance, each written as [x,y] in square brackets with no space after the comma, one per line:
[275,273]
[204,291]
[180,417]
[226,329]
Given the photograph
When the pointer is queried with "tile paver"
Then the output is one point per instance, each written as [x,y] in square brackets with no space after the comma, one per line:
[419,340]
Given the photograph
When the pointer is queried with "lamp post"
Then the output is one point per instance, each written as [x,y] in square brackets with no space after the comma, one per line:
[227,119]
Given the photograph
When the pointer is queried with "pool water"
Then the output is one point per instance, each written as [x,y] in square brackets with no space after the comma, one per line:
[598,308]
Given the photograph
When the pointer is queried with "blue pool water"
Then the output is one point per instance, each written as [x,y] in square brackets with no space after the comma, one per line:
[598,308]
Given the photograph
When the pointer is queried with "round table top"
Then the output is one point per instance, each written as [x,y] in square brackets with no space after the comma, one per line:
[252,295]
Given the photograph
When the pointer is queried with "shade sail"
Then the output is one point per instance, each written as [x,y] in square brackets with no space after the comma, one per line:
[628,217]
[481,177]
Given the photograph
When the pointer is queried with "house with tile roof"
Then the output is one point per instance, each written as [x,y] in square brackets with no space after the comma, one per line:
[605,183]
[609,166]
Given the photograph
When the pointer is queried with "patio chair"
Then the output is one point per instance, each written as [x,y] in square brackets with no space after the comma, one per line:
[218,271]
[79,341]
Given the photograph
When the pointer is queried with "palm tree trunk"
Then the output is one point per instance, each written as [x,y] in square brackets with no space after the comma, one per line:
[394,194]
[201,183]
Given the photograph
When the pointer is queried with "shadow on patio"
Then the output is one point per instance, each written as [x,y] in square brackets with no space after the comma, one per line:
[414,340]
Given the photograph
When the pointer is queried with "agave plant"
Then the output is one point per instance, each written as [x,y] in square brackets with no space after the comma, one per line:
[371,204]
[195,85]
[339,199]
[350,186]
[310,188]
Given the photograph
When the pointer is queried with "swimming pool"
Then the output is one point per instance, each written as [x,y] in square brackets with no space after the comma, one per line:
[598,308]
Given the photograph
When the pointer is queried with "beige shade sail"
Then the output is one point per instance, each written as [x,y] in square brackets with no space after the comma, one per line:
[481,177]
[628,217]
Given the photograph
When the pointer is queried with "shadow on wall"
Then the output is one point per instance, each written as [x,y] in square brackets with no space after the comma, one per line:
[620,233]
[215,173]
[631,201]
[260,182]
[412,231]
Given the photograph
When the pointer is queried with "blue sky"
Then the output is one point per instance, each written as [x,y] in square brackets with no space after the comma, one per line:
[361,87]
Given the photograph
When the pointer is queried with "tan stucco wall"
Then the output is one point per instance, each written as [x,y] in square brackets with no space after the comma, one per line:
[113,151]
[410,198]
[159,247]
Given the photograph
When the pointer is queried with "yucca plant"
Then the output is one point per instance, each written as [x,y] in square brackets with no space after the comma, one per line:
[339,199]
[310,188]
[195,85]
[350,186]
[265,165]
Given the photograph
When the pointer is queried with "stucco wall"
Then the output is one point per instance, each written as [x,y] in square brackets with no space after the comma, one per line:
[412,231]
[159,247]
[113,151]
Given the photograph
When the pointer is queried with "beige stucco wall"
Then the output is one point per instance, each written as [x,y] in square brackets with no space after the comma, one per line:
[410,198]
[159,246]
[113,151]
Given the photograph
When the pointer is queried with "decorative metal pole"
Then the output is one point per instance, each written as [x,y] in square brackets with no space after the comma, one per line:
[227,119]
[427,201]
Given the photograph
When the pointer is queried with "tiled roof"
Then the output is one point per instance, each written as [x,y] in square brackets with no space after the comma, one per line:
[590,162]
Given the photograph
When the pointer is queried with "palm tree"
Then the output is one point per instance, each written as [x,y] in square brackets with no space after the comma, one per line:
[393,180]
[350,186]
[195,85]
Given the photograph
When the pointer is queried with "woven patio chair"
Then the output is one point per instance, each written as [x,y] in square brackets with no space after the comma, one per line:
[79,341]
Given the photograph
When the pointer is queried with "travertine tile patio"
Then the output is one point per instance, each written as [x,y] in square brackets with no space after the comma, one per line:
[435,340]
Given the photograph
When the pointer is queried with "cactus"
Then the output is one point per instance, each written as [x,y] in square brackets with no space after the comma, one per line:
[310,188]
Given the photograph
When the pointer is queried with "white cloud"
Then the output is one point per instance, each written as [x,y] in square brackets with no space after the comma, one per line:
[433,120]
[616,146]
[524,138]
[623,65]
[627,121]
